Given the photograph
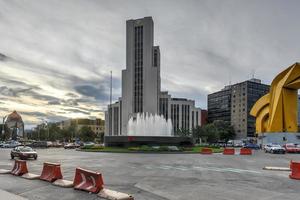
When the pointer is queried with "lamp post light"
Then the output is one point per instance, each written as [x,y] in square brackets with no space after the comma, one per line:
[46,123]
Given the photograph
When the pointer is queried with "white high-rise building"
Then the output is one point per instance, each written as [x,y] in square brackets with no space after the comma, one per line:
[141,82]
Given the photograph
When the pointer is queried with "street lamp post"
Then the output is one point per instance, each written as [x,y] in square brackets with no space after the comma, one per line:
[3,125]
[39,132]
[48,131]
[46,123]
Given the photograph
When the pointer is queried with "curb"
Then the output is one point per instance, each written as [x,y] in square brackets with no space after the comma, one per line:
[277,168]
[144,152]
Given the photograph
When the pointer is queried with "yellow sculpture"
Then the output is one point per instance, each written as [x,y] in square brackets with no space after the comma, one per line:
[277,110]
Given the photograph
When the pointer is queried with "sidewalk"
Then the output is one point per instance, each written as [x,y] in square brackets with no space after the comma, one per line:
[10,196]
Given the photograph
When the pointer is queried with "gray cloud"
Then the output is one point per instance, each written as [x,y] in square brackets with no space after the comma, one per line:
[2,57]
[99,93]
[36,114]
[50,117]
[13,92]
[75,110]
[70,102]
[54,102]
[70,94]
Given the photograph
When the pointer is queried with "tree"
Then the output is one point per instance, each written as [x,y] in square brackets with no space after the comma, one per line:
[66,134]
[42,133]
[184,132]
[54,132]
[101,137]
[73,131]
[225,130]
[213,132]
[6,134]
[86,134]
[198,134]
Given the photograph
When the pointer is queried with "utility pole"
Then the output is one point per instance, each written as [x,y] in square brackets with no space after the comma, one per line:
[48,130]
[46,123]
[39,126]
[3,125]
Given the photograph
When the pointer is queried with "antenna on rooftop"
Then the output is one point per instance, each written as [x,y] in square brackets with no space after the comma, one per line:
[252,73]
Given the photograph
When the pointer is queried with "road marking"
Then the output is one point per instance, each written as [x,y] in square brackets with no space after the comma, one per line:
[181,168]
[164,167]
[216,169]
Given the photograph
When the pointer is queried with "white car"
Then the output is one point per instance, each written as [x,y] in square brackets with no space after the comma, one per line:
[11,144]
[274,148]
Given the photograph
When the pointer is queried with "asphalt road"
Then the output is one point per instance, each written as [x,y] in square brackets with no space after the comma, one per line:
[161,176]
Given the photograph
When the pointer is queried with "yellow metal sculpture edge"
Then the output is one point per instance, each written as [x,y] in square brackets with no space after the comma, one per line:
[277,110]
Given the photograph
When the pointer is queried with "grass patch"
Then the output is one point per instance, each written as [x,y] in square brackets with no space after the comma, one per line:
[145,148]
[197,149]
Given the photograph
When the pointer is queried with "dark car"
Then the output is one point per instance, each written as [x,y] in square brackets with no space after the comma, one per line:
[23,152]
[39,144]
[251,146]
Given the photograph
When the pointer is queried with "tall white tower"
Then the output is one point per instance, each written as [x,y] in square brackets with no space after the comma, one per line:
[141,78]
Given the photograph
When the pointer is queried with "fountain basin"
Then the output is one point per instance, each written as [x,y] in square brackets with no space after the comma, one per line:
[131,141]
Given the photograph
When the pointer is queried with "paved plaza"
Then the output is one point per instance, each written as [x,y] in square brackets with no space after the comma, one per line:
[161,176]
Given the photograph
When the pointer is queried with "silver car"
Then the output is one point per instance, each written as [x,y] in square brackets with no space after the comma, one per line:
[274,148]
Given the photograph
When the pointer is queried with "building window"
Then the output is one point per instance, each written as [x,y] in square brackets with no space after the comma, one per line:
[155,63]
[138,69]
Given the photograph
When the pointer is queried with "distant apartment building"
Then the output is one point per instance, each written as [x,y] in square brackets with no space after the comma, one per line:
[233,104]
[203,117]
[97,125]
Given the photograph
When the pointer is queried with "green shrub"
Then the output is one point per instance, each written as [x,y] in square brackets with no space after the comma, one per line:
[134,148]
[187,148]
[145,148]
[92,147]
[163,148]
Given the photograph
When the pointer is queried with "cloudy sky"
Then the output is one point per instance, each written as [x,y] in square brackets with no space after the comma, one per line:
[56,56]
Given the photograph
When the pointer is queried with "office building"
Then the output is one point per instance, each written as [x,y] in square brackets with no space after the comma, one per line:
[141,85]
[233,104]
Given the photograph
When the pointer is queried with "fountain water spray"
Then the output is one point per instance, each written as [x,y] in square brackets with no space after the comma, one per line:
[147,124]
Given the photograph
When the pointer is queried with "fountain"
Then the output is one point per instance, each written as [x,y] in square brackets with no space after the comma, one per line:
[145,124]
[147,129]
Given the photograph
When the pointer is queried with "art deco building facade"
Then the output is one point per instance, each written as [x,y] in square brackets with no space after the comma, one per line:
[141,85]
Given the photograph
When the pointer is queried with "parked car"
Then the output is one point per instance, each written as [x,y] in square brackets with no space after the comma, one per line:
[23,152]
[11,144]
[238,144]
[40,144]
[235,143]
[57,144]
[292,148]
[252,146]
[71,146]
[49,144]
[88,144]
[274,148]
